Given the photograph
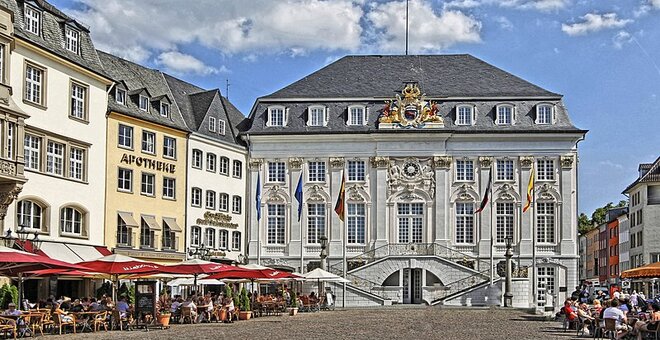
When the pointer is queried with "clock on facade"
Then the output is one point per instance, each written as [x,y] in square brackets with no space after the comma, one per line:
[410,169]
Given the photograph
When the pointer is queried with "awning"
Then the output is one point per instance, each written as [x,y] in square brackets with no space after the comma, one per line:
[151,222]
[128,219]
[171,222]
[73,253]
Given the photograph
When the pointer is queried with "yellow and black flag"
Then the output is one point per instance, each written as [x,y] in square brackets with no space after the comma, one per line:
[339,206]
[530,191]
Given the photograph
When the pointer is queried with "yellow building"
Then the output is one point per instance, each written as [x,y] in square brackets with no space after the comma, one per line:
[146,165]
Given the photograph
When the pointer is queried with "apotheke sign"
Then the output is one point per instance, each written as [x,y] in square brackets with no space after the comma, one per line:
[217,220]
[148,163]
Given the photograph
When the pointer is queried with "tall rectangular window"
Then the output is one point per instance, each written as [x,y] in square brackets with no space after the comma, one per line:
[212,126]
[464,115]
[169,188]
[224,239]
[504,170]
[195,236]
[164,109]
[545,222]
[544,114]
[32,152]
[356,223]
[410,218]
[504,221]
[196,197]
[143,103]
[315,222]
[222,126]
[148,142]
[209,237]
[236,204]
[223,202]
[125,138]
[545,283]
[276,116]
[224,166]
[316,171]
[210,199]
[32,18]
[464,170]
[276,172]
[465,223]
[169,147]
[34,78]
[276,224]
[78,107]
[77,163]
[237,170]
[72,40]
[316,116]
[123,233]
[356,116]
[197,159]
[545,170]
[148,183]
[10,140]
[120,96]
[236,240]
[125,180]
[356,171]
[54,158]
[210,162]
[504,115]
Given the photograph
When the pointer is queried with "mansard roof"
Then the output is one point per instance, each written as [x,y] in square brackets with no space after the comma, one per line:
[652,175]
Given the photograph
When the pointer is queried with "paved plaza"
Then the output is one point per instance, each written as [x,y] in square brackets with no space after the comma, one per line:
[383,323]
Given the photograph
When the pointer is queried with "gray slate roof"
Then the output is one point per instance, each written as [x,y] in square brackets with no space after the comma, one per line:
[652,175]
[52,34]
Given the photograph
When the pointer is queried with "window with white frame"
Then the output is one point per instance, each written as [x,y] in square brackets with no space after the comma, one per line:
[275,224]
[3,64]
[123,233]
[125,180]
[317,116]
[545,170]
[504,169]
[169,147]
[223,202]
[196,197]
[34,78]
[78,101]
[168,238]
[276,116]
[120,96]
[32,20]
[197,159]
[316,171]
[212,124]
[224,166]
[464,115]
[169,188]
[32,152]
[143,103]
[146,235]
[545,283]
[236,204]
[148,142]
[276,171]
[164,109]
[72,40]
[356,170]
[544,113]
[77,163]
[210,162]
[545,222]
[9,140]
[410,219]
[356,223]
[465,170]
[315,222]
[504,221]
[209,238]
[357,115]
[71,221]
[210,199]
[29,214]
[195,235]
[236,240]
[224,239]
[125,138]
[222,127]
[505,115]
[148,184]
[465,222]
[54,158]
[237,169]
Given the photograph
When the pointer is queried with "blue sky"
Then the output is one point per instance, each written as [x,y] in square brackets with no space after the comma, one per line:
[602,55]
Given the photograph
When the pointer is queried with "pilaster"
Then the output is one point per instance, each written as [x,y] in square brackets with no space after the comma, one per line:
[526,225]
[568,215]
[295,232]
[485,217]
[379,192]
[253,228]
[336,170]
[442,165]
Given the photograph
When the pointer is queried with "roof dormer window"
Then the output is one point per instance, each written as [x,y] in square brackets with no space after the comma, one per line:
[164,109]
[212,126]
[317,116]
[72,42]
[143,103]
[120,96]
[545,114]
[276,116]
[504,114]
[357,115]
[221,127]
[465,115]
[32,20]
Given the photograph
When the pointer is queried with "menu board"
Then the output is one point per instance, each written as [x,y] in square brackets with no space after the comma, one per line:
[145,298]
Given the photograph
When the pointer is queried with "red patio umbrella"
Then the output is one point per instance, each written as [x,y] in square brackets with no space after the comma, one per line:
[195,267]
[253,274]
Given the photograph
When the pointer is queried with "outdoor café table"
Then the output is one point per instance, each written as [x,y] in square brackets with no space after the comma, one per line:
[21,323]
[85,318]
[202,314]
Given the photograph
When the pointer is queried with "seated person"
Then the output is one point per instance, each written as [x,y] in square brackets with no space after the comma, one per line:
[193,307]
[57,310]
[123,307]
[95,306]
[229,306]
[77,306]
[313,298]
[613,312]
[597,307]
[583,312]
[12,310]
[650,325]
[174,307]
[571,314]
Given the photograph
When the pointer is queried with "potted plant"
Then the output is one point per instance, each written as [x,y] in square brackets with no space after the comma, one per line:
[294,304]
[244,303]
[164,317]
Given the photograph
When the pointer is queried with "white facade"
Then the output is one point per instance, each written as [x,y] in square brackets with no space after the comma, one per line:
[217,219]
[624,243]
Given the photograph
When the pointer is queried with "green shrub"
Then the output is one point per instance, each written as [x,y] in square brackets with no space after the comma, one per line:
[245,300]
[294,299]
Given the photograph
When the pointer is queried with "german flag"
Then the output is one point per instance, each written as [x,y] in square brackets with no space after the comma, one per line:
[530,189]
[339,206]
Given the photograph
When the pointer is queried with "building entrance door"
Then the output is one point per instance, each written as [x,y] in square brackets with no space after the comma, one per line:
[412,285]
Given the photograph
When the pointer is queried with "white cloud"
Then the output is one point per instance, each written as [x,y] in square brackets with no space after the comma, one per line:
[463,4]
[181,63]
[430,31]
[655,3]
[610,164]
[621,39]
[539,5]
[646,7]
[504,23]
[593,22]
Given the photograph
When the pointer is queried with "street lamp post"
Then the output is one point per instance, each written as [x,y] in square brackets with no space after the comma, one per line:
[9,241]
[508,296]
[323,255]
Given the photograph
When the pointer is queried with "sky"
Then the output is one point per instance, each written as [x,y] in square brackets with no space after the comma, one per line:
[602,55]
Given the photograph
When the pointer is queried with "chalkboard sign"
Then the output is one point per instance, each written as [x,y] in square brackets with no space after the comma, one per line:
[145,299]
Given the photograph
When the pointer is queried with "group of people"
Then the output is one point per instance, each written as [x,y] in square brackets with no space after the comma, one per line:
[201,307]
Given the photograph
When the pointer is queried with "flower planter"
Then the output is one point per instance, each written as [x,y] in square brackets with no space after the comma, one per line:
[164,320]
[244,315]
[223,315]
[293,311]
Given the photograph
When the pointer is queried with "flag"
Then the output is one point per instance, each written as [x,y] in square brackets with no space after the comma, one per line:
[530,189]
[257,199]
[299,196]
[486,193]
[339,207]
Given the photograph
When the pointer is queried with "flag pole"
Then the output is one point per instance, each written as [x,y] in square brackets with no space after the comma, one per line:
[344,241]
[533,206]
[492,213]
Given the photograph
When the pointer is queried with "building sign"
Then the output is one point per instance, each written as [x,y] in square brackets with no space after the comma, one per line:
[151,254]
[217,220]
[148,163]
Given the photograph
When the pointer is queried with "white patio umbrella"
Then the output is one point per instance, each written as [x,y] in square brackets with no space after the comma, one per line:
[319,275]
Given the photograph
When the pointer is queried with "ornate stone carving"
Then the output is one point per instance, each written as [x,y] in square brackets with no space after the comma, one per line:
[7,168]
[442,162]
[410,197]
[526,161]
[275,194]
[548,260]
[411,173]
[315,193]
[275,262]
[411,111]
[255,163]
[295,162]
[506,192]
[337,162]
[379,162]
[547,192]
[353,193]
[567,161]
[485,162]
[8,194]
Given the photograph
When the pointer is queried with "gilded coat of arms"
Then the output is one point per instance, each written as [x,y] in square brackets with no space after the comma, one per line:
[410,110]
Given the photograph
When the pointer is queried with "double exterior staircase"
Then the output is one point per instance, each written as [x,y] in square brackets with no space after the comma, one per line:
[478,269]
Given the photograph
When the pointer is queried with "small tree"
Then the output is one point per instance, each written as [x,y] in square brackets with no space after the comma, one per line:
[245,301]
[8,294]
[294,299]
[228,291]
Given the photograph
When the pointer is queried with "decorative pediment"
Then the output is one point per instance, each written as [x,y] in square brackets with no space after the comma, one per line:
[355,193]
[409,196]
[410,111]
[507,192]
[547,192]
[255,163]
[316,193]
[409,174]
[276,194]
[465,192]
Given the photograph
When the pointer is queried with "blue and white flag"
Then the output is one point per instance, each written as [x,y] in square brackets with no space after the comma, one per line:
[257,199]
[299,195]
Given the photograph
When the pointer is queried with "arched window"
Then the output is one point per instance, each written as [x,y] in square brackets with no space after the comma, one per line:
[209,237]
[196,197]
[72,221]
[210,199]
[224,166]
[30,214]
[197,159]
[223,202]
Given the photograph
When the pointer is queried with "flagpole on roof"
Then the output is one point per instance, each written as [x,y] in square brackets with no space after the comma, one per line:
[492,213]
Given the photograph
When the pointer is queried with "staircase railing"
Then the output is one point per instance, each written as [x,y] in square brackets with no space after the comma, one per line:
[461,285]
